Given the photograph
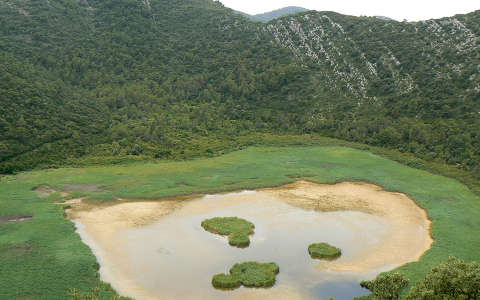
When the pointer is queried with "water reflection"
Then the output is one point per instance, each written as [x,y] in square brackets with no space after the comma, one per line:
[175,258]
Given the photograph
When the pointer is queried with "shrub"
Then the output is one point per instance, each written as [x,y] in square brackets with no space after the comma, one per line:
[324,251]
[454,279]
[239,240]
[237,229]
[224,281]
[385,287]
[249,274]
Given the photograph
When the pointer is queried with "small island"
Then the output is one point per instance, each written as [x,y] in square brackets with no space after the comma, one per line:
[324,251]
[237,229]
[248,274]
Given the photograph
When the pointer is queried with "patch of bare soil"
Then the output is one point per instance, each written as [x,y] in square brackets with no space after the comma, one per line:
[19,218]
[83,187]
[18,250]
[76,201]
[43,191]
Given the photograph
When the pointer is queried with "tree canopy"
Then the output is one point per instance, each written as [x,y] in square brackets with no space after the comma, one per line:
[159,79]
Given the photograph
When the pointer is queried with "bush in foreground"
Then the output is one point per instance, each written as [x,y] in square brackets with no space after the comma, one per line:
[324,251]
[97,293]
[454,279]
[237,229]
[385,287]
[249,274]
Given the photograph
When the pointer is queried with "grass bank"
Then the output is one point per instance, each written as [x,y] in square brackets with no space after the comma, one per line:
[42,257]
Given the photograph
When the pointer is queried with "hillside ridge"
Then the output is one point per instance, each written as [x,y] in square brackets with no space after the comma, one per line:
[167,79]
[277,13]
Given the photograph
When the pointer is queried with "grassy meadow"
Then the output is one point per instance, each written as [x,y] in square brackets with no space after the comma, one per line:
[42,258]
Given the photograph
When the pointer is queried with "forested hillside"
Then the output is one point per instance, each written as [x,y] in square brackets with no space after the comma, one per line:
[155,78]
[130,77]
[410,86]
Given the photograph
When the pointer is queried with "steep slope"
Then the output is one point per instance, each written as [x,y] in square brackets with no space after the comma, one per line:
[361,53]
[411,86]
[165,79]
[39,110]
[160,73]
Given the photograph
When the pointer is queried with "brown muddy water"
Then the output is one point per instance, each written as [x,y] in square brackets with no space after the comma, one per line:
[170,256]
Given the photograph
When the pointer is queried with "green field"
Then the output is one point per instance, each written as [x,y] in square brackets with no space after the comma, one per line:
[43,258]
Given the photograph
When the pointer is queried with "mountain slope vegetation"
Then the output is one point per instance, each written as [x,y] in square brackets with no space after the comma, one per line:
[412,86]
[166,79]
[158,73]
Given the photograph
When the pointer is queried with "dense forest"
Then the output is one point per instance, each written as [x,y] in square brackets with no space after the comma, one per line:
[165,79]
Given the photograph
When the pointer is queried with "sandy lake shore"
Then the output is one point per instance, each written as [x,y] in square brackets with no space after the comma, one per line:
[408,225]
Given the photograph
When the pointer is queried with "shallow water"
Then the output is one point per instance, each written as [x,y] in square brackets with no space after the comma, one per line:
[175,258]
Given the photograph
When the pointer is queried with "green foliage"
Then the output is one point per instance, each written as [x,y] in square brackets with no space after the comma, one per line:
[249,274]
[254,274]
[95,294]
[239,240]
[226,281]
[324,251]
[399,85]
[237,229]
[387,286]
[454,279]
[43,257]
[126,80]
[95,83]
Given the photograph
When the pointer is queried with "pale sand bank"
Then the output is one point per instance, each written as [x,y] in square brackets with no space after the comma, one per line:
[409,226]
[407,239]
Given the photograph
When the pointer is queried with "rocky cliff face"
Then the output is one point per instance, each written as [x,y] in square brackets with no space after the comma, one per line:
[368,57]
